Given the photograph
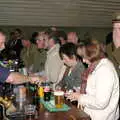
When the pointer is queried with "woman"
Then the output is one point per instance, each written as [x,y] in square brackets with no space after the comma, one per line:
[74,67]
[99,93]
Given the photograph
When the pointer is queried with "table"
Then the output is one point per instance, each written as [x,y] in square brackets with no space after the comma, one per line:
[43,114]
[72,114]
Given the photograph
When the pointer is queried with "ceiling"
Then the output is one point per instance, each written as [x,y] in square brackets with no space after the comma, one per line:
[77,13]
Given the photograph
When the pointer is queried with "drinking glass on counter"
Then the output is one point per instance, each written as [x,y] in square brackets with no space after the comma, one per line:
[59,99]
[30,111]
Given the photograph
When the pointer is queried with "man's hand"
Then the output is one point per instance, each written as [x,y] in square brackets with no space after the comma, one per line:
[17,78]
[37,79]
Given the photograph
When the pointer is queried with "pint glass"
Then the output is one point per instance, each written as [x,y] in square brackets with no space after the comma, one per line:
[59,99]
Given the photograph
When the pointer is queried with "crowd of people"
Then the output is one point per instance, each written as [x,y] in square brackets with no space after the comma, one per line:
[85,66]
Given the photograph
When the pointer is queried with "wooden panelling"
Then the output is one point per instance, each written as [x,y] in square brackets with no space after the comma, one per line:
[90,13]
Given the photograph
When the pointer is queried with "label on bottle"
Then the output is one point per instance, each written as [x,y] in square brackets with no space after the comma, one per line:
[47,93]
[47,89]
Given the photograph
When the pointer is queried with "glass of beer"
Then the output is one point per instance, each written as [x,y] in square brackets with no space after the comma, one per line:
[59,99]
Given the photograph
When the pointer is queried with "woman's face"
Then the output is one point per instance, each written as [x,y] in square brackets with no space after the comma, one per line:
[69,61]
[85,60]
[81,52]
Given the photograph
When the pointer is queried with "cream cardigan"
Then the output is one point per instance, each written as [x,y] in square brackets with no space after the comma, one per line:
[101,100]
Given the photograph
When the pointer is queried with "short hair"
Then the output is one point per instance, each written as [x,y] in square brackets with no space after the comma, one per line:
[68,49]
[34,36]
[55,38]
[18,30]
[62,34]
[109,38]
[93,51]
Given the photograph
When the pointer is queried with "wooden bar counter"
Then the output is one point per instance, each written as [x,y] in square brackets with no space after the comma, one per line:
[72,114]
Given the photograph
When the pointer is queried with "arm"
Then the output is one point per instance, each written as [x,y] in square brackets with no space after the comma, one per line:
[104,78]
[17,78]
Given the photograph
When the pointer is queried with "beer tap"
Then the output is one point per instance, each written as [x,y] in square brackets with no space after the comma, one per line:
[5,102]
[8,106]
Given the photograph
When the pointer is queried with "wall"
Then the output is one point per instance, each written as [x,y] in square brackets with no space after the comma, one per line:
[98,33]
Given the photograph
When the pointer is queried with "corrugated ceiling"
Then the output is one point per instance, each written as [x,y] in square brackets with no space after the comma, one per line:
[90,13]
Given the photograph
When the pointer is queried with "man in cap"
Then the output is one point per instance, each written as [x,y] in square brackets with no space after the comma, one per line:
[116,38]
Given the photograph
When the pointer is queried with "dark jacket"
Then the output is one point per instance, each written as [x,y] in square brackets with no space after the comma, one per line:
[72,79]
[114,56]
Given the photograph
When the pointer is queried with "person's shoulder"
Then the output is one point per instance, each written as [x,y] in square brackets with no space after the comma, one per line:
[104,66]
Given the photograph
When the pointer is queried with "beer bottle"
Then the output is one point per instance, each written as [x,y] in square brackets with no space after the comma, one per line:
[35,96]
[47,92]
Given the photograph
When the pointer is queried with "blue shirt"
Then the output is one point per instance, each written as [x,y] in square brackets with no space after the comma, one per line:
[4,73]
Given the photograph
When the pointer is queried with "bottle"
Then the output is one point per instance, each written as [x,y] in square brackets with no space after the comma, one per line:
[47,92]
[16,67]
[41,91]
[35,96]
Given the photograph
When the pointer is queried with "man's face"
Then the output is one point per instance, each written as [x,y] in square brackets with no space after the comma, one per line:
[51,43]
[72,37]
[68,61]
[116,31]
[25,43]
[16,34]
[2,41]
[40,42]
[116,34]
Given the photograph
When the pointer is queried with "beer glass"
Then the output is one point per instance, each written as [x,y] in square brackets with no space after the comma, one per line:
[59,99]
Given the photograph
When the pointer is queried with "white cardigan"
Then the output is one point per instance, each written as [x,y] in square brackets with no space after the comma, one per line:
[101,100]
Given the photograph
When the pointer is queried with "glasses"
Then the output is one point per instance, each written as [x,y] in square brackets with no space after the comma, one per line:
[30,111]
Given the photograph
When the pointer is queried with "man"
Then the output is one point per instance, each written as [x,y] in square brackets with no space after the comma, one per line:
[15,44]
[53,63]
[116,39]
[28,52]
[12,77]
[72,37]
[62,36]
[113,48]
[40,56]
